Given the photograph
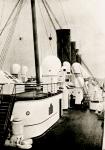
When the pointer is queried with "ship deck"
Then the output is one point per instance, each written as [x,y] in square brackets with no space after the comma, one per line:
[34,95]
[76,130]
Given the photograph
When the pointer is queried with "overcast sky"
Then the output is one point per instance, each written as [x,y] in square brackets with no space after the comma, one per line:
[85,18]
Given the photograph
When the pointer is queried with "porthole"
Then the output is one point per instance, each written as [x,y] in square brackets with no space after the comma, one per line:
[27,113]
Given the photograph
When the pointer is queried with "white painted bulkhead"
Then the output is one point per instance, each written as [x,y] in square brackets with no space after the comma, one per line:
[37,115]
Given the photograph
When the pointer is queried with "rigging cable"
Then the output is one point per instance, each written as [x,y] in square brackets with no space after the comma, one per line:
[53,14]
[44,25]
[4,50]
[9,36]
[49,14]
[85,90]
[9,17]
[2,12]
[63,12]
[91,74]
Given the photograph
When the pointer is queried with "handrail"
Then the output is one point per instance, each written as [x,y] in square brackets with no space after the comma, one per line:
[9,107]
[1,90]
[36,83]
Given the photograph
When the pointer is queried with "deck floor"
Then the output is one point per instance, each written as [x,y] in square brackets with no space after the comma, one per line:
[76,130]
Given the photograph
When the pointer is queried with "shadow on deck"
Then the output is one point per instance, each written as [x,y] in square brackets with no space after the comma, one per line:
[76,130]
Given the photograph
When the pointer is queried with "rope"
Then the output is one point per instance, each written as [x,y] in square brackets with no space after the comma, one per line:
[85,90]
[9,36]
[44,25]
[53,14]
[77,79]
[2,11]
[48,14]
[11,20]
[63,12]
[92,74]
[9,17]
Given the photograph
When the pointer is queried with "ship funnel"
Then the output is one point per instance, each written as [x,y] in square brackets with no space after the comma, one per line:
[73,52]
[63,44]
[78,56]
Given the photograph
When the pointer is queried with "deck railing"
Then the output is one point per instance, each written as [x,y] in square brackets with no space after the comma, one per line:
[1,91]
[47,89]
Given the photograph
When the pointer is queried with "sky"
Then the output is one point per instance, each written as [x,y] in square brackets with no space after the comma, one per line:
[85,18]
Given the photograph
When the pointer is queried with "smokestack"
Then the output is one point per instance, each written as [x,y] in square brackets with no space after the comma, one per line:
[78,57]
[63,45]
[73,52]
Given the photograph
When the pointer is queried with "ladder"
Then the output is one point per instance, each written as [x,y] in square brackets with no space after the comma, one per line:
[6,106]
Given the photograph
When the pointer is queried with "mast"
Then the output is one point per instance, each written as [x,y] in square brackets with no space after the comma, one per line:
[35,41]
